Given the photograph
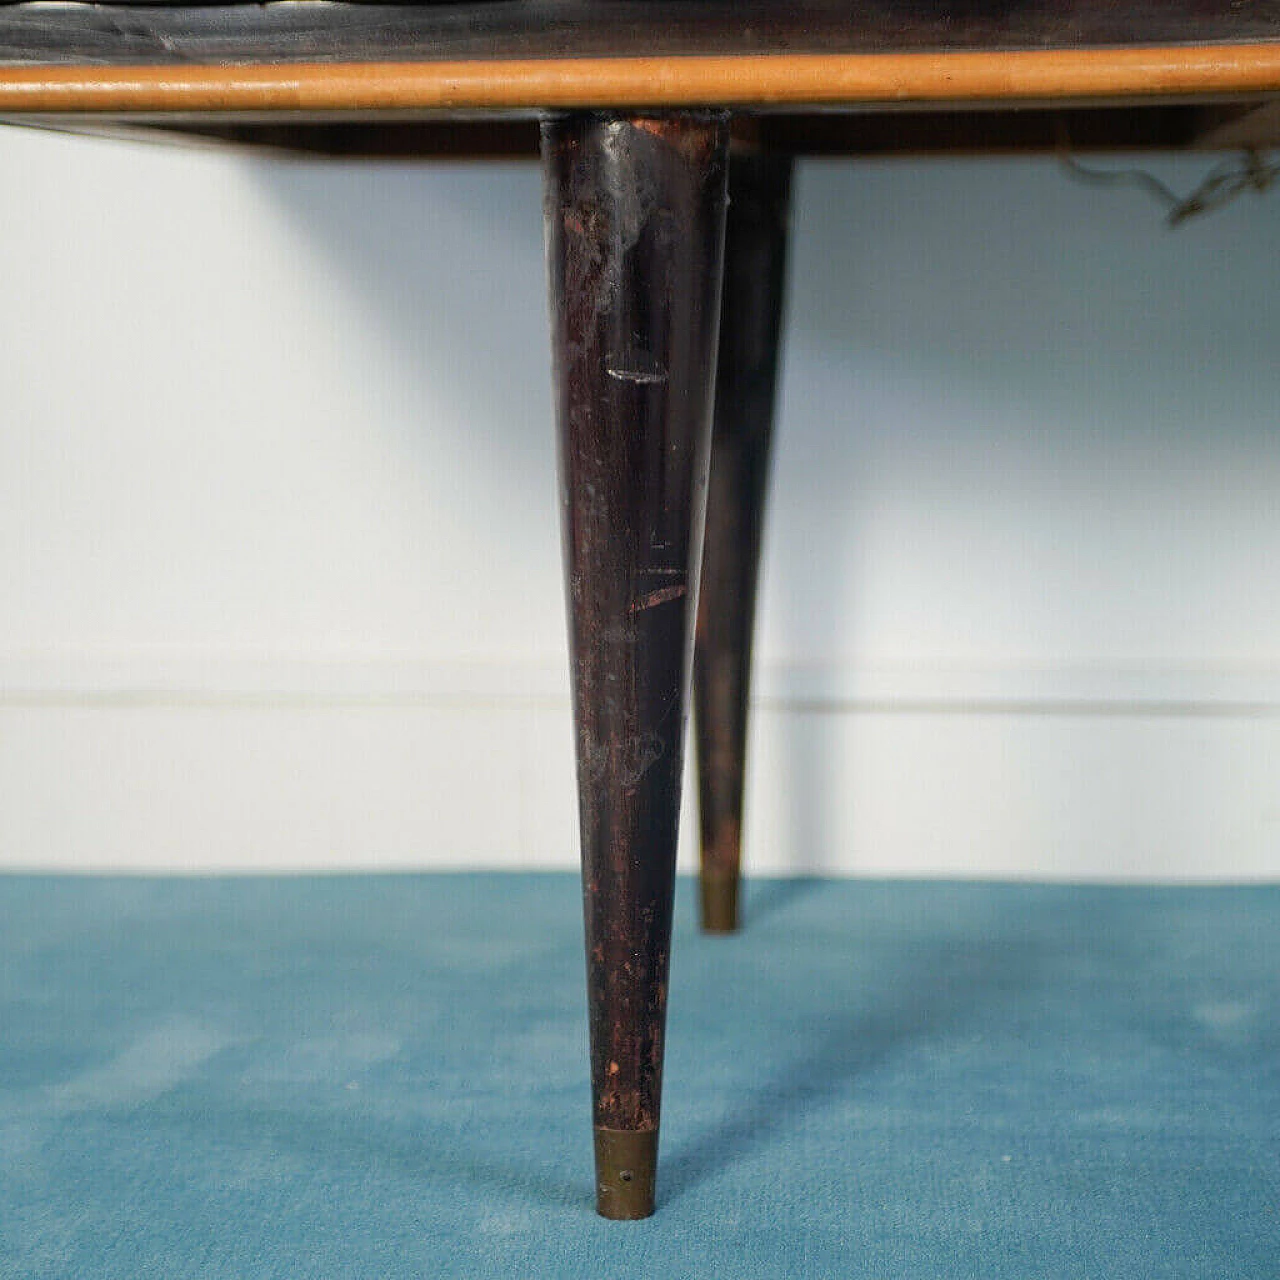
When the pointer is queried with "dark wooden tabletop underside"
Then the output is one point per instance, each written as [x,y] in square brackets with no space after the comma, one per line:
[323,31]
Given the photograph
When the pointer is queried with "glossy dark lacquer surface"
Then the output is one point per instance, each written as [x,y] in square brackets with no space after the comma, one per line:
[635,234]
[746,379]
[323,31]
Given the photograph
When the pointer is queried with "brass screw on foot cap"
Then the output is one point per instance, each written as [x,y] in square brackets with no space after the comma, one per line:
[626,1168]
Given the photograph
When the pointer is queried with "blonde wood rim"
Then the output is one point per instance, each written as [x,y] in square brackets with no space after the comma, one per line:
[756,80]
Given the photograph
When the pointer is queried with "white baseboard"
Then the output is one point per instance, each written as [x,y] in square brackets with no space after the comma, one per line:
[214,762]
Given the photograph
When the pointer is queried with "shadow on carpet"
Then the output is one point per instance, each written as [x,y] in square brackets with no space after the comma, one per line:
[385,1076]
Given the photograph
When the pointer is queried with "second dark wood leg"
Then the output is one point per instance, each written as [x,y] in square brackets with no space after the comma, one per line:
[635,236]
[750,330]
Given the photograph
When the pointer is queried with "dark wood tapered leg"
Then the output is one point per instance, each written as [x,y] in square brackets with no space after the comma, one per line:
[635,238]
[750,330]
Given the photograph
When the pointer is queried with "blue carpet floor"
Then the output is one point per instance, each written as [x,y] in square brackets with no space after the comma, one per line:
[385,1077]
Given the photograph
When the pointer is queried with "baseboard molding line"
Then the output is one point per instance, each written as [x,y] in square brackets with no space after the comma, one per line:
[258,682]
[322,785]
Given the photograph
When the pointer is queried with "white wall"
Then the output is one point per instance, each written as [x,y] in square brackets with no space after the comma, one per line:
[279,564]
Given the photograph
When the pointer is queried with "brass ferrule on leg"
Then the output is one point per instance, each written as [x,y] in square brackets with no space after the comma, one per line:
[720,894]
[626,1168]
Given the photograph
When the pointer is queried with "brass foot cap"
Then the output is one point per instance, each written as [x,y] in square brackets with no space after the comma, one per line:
[719,903]
[626,1168]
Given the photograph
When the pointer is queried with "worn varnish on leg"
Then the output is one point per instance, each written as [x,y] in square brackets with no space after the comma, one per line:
[635,233]
[750,331]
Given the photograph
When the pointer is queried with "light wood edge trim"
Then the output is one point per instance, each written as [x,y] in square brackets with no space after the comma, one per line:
[736,80]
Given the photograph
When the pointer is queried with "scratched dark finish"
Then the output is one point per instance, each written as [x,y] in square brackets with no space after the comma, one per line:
[324,31]
[635,236]
[746,380]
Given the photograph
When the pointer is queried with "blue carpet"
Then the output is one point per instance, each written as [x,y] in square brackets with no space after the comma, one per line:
[384,1076]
